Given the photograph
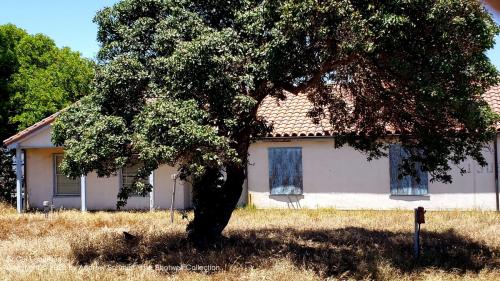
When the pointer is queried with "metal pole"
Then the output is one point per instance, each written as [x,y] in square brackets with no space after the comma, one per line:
[495,149]
[152,193]
[416,238]
[174,177]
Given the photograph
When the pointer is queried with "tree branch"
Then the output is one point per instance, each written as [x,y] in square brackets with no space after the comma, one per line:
[316,77]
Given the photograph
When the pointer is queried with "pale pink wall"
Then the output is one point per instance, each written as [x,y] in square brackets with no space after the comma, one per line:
[338,178]
[163,191]
[101,192]
[39,139]
[343,178]
[40,179]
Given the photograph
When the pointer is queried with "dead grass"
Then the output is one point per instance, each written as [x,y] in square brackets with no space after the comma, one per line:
[260,245]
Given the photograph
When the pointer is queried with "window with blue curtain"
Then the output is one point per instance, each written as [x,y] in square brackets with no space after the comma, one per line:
[285,170]
[406,185]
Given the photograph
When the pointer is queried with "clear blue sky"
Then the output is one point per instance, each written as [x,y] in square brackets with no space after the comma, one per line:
[69,22]
[494,53]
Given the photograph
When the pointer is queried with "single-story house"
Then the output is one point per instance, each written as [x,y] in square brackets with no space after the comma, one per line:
[296,166]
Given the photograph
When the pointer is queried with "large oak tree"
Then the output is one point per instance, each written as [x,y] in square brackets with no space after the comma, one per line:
[179,82]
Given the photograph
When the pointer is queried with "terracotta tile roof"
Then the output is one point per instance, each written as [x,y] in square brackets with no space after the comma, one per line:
[289,117]
[492,96]
[31,129]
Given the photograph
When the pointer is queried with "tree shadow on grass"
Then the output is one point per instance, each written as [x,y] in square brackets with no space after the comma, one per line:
[358,251]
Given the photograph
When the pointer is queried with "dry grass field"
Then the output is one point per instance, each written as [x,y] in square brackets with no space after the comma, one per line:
[260,245]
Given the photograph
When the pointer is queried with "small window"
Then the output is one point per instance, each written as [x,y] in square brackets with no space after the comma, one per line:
[63,184]
[407,185]
[285,170]
[128,175]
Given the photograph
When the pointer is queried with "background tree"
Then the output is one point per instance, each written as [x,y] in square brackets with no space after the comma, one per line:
[47,80]
[180,82]
[10,36]
[36,80]
[7,177]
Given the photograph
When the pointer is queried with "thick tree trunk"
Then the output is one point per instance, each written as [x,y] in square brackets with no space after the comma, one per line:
[214,204]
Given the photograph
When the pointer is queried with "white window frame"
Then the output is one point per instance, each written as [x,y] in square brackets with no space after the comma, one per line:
[120,173]
[55,174]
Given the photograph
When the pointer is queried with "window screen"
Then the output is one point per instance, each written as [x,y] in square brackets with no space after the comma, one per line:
[285,170]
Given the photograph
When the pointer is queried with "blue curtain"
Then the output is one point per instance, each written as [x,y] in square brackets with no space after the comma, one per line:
[285,170]
[407,185]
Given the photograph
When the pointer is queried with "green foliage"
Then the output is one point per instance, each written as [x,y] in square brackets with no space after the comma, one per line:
[179,82]
[37,78]
[174,131]
[10,36]
[7,177]
[47,80]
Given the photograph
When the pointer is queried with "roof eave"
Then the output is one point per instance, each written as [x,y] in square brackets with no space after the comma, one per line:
[14,141]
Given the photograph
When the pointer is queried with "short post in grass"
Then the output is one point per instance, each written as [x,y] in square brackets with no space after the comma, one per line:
[46,208]
[419,219]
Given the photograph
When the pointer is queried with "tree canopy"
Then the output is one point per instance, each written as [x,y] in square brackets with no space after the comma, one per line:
[179,83]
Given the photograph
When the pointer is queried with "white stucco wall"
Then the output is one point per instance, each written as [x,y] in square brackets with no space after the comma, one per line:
[343,178]
[101,192]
